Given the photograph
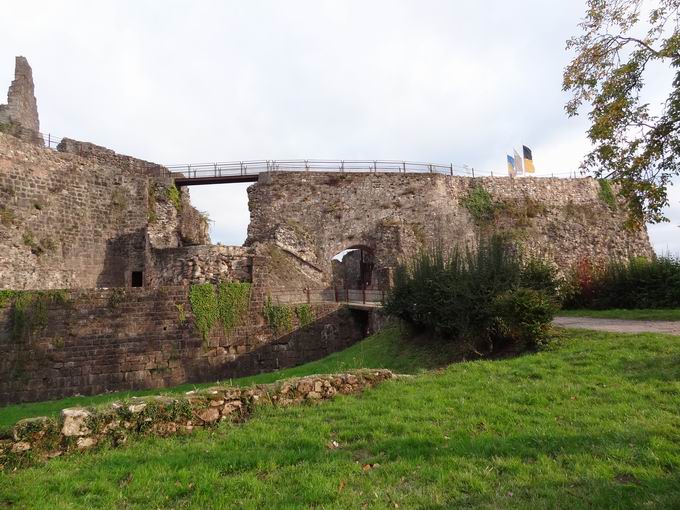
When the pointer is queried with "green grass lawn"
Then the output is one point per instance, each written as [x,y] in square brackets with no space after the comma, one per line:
[671,314]
[592,423]
[384,350]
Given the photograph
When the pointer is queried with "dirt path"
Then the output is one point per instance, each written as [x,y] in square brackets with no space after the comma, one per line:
[619,325]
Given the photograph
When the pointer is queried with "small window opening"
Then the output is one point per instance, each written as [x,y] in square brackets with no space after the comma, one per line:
[137,279]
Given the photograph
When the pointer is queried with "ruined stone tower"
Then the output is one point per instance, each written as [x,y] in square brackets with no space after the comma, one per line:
[21,110]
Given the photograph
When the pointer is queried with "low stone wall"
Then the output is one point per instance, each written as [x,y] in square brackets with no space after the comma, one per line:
[96,341]
[79,429]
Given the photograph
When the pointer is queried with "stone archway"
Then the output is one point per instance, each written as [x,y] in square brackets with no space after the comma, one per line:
[353,268]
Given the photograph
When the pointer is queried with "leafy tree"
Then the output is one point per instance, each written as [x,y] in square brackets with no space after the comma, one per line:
[622,42]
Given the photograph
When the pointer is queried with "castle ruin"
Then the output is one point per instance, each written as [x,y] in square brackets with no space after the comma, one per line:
[127,245]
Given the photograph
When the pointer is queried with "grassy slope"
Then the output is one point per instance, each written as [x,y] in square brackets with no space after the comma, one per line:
[593,423]
[672,314]
[384,350]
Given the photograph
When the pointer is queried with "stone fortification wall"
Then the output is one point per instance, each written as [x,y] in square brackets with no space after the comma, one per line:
[94,341]
[70,221]
[316,215]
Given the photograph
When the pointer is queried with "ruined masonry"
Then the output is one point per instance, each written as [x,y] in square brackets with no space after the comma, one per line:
[126,246]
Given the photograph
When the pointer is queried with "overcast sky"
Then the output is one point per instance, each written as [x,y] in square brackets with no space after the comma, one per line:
[203,81]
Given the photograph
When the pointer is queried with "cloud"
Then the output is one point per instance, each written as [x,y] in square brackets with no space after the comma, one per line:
[426,80]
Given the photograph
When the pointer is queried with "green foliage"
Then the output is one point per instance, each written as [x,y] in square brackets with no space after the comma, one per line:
[479,204]
[226,304]
[606,194]
[453,295]
[204,306]
[541,275]
[279,317]
[6,216]
[174,196]
[304,314]
[526,315]
[7,296]
[29,311]
[620,45]
[634,283]
[233,299]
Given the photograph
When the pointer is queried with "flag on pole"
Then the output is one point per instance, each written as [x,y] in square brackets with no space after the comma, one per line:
[511,166]
[518,164]
[528,160]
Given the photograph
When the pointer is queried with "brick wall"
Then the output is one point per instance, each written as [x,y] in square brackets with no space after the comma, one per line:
[122,339]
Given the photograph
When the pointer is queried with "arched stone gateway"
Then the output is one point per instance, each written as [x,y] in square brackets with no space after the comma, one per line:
[353,268]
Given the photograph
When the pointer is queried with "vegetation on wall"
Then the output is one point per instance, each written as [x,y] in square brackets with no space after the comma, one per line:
[228,304]
[233,299]
[304,314]
[174,196]
[279,317]
[479,204]
[29,309]
[37,246]
[203,299]
[606,194]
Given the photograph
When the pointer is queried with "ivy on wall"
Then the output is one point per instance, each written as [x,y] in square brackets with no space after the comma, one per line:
[304,315]
[606,194]
[279,317]
[203,301]
[233,302]
[228,304]
[29,309]
[174,196]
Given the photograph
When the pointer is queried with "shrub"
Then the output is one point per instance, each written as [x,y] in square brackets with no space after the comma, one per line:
[540,275]
[526,315]
[634,283]
[454,295]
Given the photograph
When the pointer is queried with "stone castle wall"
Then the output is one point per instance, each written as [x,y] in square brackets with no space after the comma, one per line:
[69,221]
[97,341]
[314,216]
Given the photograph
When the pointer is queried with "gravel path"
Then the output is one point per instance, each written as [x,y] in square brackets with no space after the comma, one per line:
[619,325]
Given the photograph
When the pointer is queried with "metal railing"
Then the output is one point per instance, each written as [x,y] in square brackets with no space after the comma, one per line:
[255,167]
[332,295]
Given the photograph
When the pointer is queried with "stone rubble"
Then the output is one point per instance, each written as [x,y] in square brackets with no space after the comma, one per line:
[81,429]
